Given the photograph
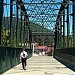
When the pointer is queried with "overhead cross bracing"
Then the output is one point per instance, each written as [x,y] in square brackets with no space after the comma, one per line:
[43,13]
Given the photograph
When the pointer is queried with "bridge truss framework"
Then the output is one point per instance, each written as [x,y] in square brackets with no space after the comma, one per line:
[57,18]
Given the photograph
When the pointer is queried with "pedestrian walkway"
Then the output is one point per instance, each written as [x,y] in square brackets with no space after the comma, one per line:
[41,65]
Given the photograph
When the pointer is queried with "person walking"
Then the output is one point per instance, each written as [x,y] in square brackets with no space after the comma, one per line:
[23,58]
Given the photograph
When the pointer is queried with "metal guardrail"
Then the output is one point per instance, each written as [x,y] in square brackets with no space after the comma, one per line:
[10,57]
[66,56]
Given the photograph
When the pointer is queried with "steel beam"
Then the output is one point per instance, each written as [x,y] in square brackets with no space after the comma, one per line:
[24,29]
[16,25]
[63,6]
[11,15]
[58,35]
[60,32]
[55,38]
[22,7]
[74,23]
[21,29]
[1,16]
[55,3]
[68,26]
[63,30]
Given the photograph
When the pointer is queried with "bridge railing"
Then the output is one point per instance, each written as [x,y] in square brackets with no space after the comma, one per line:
[10,57]
[66,56]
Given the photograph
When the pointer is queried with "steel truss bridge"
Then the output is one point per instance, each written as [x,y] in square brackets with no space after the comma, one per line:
[24,21]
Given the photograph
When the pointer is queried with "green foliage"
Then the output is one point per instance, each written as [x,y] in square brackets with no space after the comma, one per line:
[5,37]
[67,0]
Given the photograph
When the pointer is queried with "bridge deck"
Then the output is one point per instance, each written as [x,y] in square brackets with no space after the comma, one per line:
[41,65]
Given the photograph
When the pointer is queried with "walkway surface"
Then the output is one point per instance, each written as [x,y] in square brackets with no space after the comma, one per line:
[41,65]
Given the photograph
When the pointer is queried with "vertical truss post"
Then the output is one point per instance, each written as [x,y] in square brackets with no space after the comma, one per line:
[59,41]
[30,37]
[64,29]
[16,23]
[60,33]
[56,34]
[11,12]
[57,31]
[29,33]
[21,29]
[55,38]
[1,16]
[74,23]
[24,29]
[68,26]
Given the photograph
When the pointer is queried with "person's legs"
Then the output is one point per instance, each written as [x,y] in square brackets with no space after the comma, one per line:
[23,64]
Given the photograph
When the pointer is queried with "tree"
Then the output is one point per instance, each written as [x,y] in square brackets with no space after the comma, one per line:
[5,37]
